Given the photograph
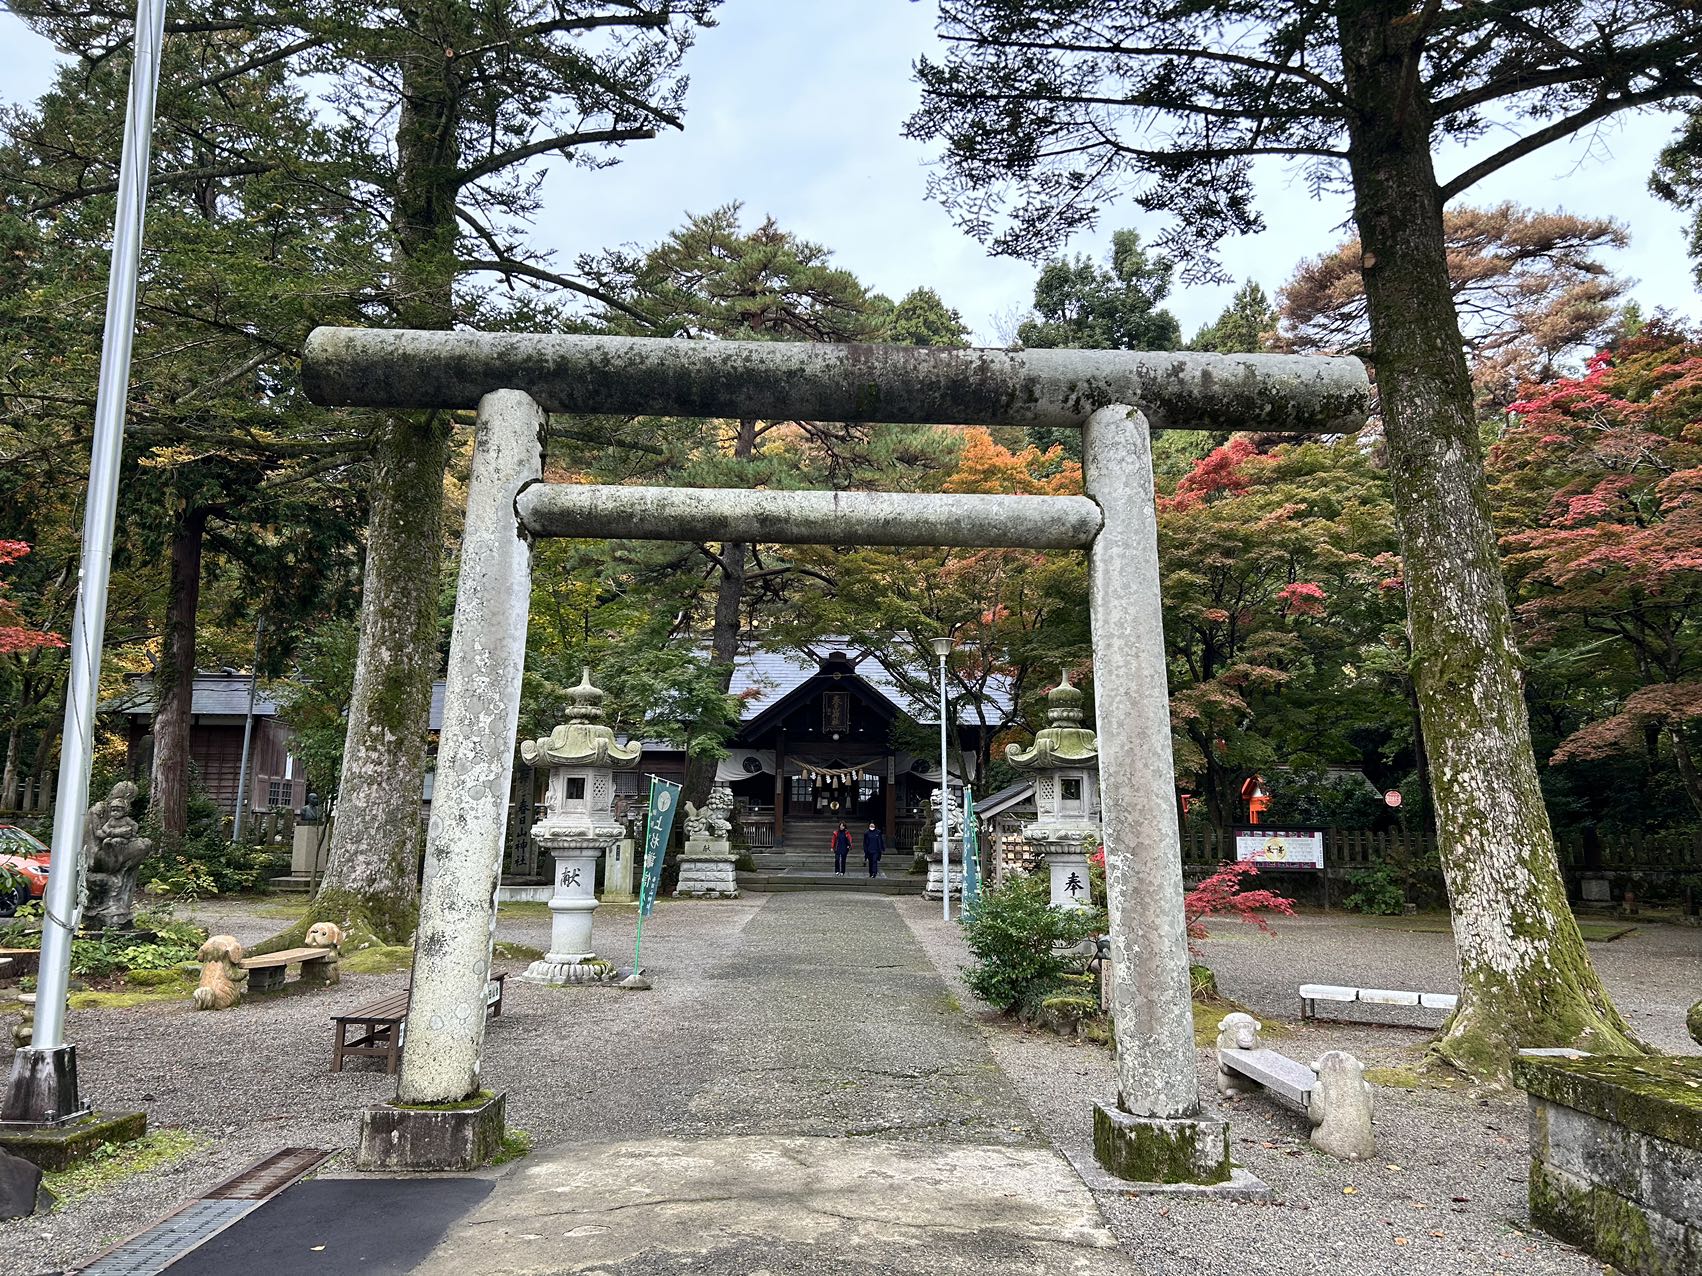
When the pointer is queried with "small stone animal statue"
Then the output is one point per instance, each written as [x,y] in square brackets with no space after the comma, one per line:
[323,935]
[1237,1031]
[223,980]
[1340,1107]
[1693,1021]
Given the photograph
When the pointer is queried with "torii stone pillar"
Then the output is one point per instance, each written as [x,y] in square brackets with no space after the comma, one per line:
[1154,1133]
[475,762]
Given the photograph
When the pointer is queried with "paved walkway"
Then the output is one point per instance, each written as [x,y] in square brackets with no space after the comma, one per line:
[810,1098]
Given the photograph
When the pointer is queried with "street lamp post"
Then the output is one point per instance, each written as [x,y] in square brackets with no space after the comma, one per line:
[942,649]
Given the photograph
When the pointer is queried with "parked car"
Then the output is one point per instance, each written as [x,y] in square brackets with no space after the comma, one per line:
[23,868]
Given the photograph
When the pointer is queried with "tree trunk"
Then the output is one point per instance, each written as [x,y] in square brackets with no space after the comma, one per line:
[1686,766]
[371,882]
[371,873]
[724,633]
[1526,979]
[174,680]
[9,772]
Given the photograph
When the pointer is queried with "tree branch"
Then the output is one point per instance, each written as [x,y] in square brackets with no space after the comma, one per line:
[507,266]
[561,142]
[1553,133]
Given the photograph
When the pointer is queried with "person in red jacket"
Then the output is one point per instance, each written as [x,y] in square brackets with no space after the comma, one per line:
[841,848]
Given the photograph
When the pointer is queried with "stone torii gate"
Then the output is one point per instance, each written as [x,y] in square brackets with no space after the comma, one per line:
[1154,1131]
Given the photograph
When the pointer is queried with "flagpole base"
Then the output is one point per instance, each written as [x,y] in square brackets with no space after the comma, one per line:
[42,1089]
[635,982]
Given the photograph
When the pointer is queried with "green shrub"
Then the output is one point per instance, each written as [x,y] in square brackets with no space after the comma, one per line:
[1376,890]
[103,955]
[202,862]
[1013,937]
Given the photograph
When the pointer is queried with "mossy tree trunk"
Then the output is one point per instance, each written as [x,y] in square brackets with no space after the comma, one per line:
[371,873]
[1526,979]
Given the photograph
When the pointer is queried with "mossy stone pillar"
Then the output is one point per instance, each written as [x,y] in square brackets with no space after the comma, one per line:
[1153,1133]
[475,761]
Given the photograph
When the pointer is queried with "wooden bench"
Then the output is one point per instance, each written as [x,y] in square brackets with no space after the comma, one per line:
[1337,994]
[379,1027]
[266,972]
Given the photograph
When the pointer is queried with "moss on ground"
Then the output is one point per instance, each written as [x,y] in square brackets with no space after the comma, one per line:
[515,1144]
[508,950]
[112,1163]
[1208,1014]
[537,908]
[1395,1078]
[379,959]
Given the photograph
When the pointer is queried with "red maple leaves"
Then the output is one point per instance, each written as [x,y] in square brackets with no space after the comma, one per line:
[14,635]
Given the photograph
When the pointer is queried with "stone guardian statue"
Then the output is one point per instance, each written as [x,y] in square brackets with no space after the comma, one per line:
[111,856]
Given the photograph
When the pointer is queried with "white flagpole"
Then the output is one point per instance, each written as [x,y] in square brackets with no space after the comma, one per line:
[43,1083]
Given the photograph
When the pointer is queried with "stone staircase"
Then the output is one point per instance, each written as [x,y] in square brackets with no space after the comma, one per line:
[805,863]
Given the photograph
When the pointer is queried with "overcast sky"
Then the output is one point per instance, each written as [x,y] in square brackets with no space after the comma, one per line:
[796,109]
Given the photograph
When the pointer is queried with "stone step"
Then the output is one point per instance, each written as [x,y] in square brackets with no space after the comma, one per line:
[852,883]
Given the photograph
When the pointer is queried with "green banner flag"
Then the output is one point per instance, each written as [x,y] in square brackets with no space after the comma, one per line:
[664,798]
[971,853]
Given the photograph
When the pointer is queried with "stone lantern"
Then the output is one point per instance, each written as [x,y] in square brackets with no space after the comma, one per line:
[1065,763]
[578,825]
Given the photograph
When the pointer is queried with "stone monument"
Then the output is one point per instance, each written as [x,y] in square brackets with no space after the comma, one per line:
[706,865]
[579,825]
[1064,761]
[112,855]
[954,835]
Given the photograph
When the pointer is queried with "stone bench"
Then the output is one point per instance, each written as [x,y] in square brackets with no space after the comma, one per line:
[1338,994]
[1333,1092]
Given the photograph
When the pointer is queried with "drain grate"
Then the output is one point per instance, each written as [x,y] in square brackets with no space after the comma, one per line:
[169,1239]
[268,1177]
[151,1251]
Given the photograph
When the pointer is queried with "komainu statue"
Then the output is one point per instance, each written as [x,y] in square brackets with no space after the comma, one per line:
[223,980]
[111,856]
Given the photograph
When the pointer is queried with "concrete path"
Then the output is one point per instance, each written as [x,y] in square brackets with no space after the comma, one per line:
[847,1117]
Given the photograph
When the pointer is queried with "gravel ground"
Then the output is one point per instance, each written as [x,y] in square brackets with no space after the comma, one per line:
[1446,1196]
[742,1034]
[764,1021]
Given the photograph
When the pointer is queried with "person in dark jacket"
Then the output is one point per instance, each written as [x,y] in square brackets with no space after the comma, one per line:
[874,846]
[841,848]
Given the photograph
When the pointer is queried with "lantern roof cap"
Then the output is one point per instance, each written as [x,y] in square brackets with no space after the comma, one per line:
[1063,741]
[584,740]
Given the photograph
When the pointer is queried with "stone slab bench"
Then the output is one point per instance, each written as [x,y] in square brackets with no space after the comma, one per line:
[1339,995]
[1333,1092]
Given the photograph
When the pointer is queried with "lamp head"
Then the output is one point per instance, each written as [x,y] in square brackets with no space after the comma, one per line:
[943,646]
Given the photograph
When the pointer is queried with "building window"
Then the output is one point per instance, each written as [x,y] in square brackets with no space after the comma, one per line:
[867,787]
[626,783]
[803,789]
[278,794]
